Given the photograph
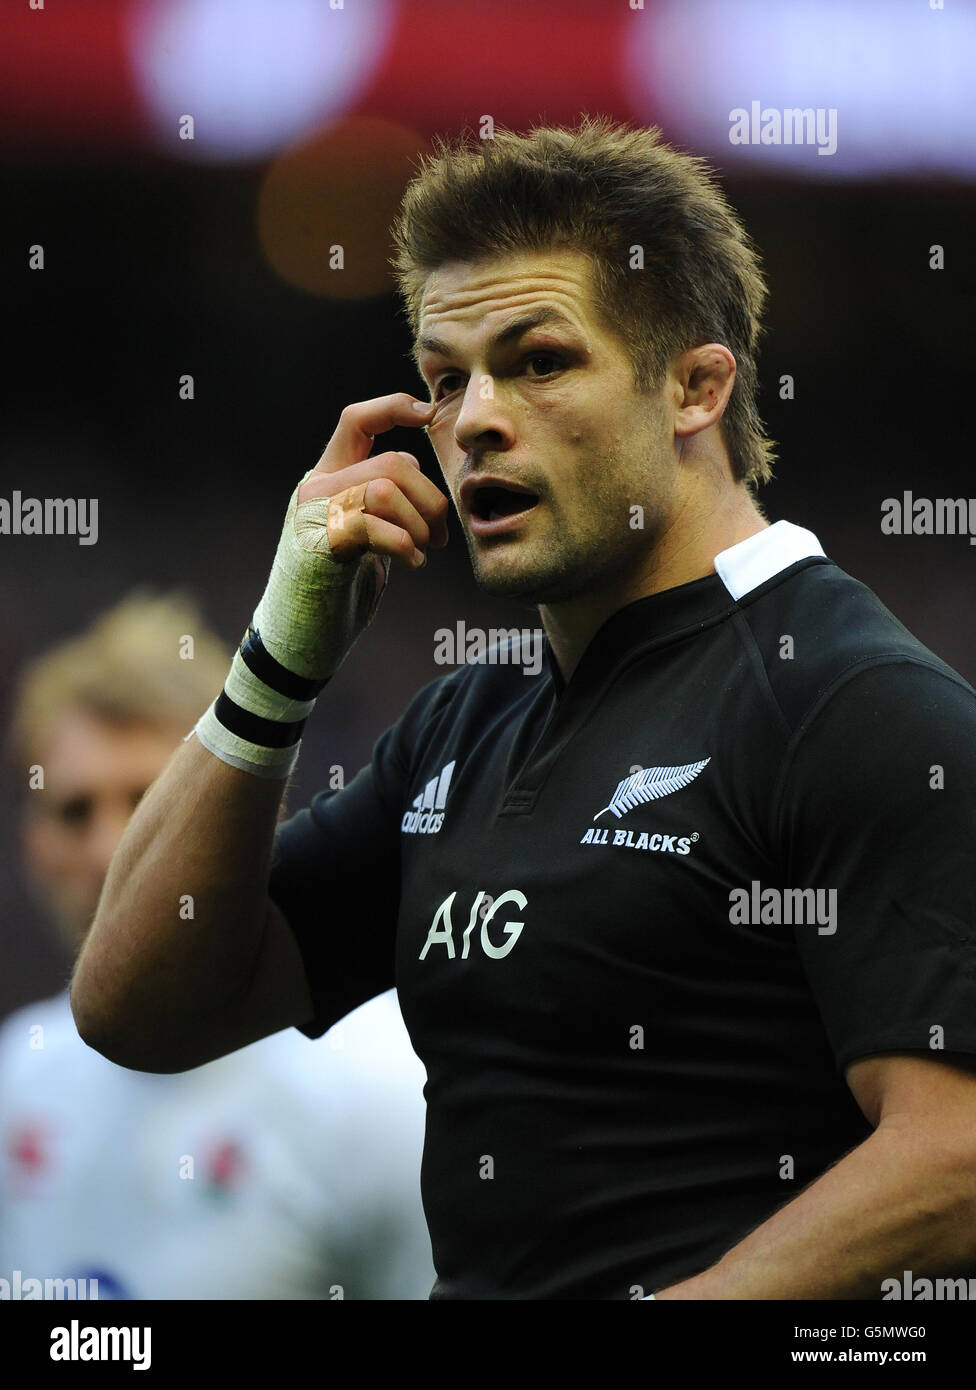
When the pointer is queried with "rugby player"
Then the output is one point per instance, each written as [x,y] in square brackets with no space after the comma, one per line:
[685,933]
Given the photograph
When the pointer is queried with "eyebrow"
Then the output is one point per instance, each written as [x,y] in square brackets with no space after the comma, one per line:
[514,330]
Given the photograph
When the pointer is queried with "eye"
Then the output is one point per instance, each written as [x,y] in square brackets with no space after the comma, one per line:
[548,359]
[75,811]
[439,391]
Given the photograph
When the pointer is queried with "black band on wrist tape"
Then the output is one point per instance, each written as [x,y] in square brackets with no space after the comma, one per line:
[266,733]
[273,674]
[278,678]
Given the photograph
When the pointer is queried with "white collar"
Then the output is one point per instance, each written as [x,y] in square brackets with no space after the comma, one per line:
[743,567]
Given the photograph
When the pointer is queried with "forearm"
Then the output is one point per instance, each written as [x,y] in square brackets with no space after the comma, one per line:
[898,1201]
[186,960]
[183,908]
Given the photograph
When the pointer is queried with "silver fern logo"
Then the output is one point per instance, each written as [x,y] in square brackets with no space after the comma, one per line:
[649,784]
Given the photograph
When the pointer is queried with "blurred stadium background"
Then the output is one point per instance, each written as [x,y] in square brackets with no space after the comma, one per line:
[166,256]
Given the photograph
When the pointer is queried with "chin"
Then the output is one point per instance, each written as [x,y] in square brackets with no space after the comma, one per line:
[538,574]
[530,585]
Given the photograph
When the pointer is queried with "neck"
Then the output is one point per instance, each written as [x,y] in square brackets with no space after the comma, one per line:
[683,550]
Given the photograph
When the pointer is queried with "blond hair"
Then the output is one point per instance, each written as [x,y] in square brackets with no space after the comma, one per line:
[126,668]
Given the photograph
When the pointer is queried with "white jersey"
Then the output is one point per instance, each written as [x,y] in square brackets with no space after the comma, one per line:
[288,1170]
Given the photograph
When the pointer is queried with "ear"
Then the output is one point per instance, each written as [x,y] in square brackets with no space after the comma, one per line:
[701,383]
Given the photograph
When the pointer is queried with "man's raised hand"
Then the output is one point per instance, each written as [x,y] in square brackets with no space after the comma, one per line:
[349,517]
[383,505]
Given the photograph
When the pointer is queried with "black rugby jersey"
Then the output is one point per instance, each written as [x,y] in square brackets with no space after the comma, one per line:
[640,923]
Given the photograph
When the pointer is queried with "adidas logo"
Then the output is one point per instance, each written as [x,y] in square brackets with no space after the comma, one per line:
[427,815]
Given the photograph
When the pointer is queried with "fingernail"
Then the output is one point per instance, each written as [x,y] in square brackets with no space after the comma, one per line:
[422,407]
[419,559]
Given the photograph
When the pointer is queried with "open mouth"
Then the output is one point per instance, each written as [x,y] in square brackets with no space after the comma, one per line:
[491,503]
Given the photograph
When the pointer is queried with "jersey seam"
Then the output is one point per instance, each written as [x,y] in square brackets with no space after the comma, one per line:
[768,585]
[748,639]
[701,625]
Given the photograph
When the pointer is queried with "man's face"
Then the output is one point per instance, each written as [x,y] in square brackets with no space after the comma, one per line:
[549,409]
[94,774]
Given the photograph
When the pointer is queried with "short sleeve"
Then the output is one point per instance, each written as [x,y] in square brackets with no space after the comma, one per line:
[335,870]
[877,814]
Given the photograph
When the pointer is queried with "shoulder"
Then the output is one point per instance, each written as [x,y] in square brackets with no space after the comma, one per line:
[462,704]
[493,678]
[500,666]
[818,631]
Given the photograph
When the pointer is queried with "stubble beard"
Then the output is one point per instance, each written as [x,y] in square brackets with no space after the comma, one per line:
[558,576]
[570,563]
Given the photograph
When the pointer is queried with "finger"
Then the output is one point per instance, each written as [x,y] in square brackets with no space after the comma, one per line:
[423,494]
[359,422]
[384,499]
[386,538]
[349,513]
[418,489]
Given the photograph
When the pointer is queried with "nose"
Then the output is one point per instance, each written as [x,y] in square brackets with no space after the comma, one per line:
[102,840]
[482,422]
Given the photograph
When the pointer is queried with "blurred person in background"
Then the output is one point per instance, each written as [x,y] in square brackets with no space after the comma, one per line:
[278,1171]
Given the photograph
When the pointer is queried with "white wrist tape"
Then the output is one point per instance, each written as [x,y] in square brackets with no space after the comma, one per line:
[313,607]
[309,616]
[251,725]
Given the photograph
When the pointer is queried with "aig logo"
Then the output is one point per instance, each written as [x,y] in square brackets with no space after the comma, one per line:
[441,932]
